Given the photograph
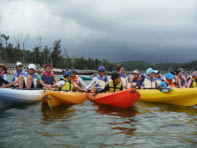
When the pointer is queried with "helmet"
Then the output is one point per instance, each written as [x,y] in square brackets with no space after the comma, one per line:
[67,74]
[32,66]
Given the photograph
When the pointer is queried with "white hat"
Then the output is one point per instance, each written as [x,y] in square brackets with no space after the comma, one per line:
[19,64]
[32,66]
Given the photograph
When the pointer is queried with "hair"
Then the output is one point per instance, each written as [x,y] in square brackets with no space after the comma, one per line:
[119,67]
[115,76]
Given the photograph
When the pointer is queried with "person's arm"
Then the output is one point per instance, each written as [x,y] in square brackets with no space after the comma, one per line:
[92,83]
[178,82]
[189,83]
[80,81]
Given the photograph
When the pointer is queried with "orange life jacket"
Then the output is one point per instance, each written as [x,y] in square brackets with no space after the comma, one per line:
[170,84]
[75,79]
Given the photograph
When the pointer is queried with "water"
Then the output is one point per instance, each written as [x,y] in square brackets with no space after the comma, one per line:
[90,125]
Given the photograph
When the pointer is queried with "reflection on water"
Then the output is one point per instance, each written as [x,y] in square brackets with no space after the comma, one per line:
[125,126]
[57,113]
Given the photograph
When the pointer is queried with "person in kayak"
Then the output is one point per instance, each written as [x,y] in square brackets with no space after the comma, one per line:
[168,82]
[123,77]
[47,77]
[158,78]
[192,82]
[99,81]
[77,80]
[3,75]
[137,80]
[19,71]
[114,85]
[180,81]
[66,83]
[149,81]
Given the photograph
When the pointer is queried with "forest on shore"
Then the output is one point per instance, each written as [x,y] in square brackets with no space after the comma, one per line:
[59,58]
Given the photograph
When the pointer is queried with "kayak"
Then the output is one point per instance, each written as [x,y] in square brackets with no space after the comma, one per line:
[86,78]
[20,96]
[121,99]
[179,96]
[56,98]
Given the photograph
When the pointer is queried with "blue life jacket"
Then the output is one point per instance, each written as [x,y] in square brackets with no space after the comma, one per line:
[140,82]
[48,78]
[102,81]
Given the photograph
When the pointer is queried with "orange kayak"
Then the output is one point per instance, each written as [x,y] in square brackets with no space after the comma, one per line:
[121,99]
[56,98]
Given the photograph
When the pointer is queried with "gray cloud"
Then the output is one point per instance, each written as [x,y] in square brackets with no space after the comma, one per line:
[154,30]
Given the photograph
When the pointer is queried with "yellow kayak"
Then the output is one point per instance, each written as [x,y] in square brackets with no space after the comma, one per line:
[179,96]
[55,98]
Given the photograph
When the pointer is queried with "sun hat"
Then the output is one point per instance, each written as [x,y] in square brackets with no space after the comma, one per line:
[169,76]
[32,66]
[4,67]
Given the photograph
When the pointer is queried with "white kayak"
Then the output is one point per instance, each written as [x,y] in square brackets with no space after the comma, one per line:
[20,96]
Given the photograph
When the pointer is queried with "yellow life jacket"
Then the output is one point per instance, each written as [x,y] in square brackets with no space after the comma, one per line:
[68,86]
[112,87]
[194,83]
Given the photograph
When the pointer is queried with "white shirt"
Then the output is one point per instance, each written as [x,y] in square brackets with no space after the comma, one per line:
[94,82]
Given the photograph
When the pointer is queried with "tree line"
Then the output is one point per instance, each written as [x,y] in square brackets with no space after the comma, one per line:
[59,58]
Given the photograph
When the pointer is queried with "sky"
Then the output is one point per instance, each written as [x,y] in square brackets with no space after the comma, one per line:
[156,31]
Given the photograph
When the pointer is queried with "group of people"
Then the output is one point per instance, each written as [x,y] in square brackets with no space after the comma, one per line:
[70,81]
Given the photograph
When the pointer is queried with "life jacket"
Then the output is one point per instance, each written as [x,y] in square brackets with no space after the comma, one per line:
[149,82]
[139,81]
[102,81]
[34,77]
[17,74]
[75,79]
[114,88]
[170,84]
[68,86]
[48,78]
[123,79]
[194,83]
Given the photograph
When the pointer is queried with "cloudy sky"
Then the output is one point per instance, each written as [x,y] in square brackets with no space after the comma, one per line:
[119,30]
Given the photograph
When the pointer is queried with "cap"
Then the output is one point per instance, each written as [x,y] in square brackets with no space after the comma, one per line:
[74,71]
[169,76]
[47,65]
[32,66]
[19,64]
[101,69]
[150,71]
[136,71]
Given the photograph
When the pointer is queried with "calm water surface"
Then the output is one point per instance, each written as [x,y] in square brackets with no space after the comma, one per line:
[89,125]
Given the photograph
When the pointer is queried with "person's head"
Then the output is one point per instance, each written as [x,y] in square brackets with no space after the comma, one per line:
[179,72]
[194,75]
[116,78]
[19,66]
[120,70]
[74,72]
[47,68]
[3,68]
[101,71]
[67,75]
[31,69]
[136,74]
[150,72]
[169,76]
[157,74]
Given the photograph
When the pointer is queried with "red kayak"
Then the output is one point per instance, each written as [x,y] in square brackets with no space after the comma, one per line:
[121,99]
